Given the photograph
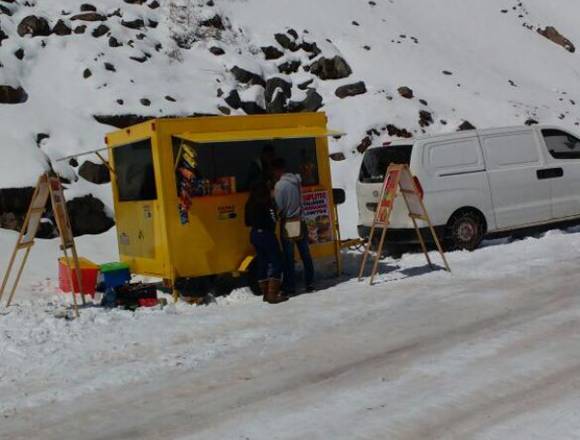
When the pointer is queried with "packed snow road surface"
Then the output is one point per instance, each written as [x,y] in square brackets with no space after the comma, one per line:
[490,352]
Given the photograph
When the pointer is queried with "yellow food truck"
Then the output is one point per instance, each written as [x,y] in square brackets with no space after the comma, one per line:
[180,186]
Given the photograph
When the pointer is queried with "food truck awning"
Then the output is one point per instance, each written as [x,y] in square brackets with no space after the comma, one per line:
[255,135]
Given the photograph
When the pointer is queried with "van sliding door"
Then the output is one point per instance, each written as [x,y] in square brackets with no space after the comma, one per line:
[519,197]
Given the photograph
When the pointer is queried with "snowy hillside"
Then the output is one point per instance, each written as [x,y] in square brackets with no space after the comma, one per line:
[482,62]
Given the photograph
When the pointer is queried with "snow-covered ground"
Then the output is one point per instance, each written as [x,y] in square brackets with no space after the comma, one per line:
[489,351]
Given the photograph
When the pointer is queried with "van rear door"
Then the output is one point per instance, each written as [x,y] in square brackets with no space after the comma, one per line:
[513,160]
[372,174]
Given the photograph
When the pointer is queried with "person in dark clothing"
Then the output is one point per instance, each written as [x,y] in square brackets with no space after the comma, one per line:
[288,196]
[261,168]
[260,215]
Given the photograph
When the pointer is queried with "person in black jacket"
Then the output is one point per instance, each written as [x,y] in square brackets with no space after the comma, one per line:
[260,215]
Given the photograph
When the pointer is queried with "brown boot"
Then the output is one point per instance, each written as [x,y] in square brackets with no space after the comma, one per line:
[274,294]
[264,288]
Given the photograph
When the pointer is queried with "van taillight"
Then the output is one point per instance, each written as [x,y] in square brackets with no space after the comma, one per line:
[419,187]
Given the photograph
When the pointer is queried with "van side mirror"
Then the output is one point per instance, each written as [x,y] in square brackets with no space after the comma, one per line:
[338,195]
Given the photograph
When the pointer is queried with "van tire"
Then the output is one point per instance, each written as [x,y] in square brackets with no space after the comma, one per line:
[465,230]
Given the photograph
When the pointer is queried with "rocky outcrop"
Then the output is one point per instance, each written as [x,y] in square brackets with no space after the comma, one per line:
[87,215]
[12,95]
[355,89]
[34,26]
[552,34]
[246,77]
[331,68]
[96,173]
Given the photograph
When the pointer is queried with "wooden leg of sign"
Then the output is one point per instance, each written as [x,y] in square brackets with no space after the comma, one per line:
[337,243]
[439,247]
[422,241]
[367,251]
[18,275]
[378,256]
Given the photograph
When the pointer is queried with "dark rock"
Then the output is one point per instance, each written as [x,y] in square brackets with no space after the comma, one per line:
[87,73]
[120,101]
[170,98]
[61,28]
[154,4]
[89,16]
[146,102]
[364,144]
[115,13]
[41,137]
[272,53]
[286,42]
[447,72]
[531,121]
[246,77]
[133,24]
[217,51]
[140,59]
[80,29]
[305,84]
[96,173]
[15,200]
[113,42]
[338,157]
[274,84]
[152,23]
[11,95]
[292,33]
[289,67]
[87,216]
[34,26]
[19,54]
[552,34]
[215,22]
[110,67]
[135,2]
[86,7]
[425,118]
[252,108]
[311,48]
[100,30]
[234,100]
[466,125]
[4,10]
[393,130]
[424,102]
[279,104]
[73,162]
[122,121]
[224,110]
[3,36]
[331,68]
[406,92]
[354,89]
[311,103]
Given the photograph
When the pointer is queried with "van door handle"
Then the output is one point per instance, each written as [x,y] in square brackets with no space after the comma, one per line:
[550,173]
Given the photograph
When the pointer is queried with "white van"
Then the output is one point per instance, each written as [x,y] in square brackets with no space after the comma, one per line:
[479,183]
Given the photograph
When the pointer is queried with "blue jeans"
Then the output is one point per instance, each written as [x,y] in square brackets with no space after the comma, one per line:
[289,270]
[268,254]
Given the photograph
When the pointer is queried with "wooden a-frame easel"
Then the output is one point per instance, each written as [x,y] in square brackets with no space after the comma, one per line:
[399,180]
[48,186]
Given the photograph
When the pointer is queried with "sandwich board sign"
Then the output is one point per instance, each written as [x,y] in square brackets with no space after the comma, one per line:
[399,182]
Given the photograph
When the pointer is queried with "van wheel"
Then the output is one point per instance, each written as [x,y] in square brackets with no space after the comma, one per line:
[465,231]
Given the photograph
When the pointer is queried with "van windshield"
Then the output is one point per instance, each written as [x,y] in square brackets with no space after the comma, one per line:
[377,160]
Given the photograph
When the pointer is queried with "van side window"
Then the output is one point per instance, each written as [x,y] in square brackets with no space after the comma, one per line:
[511,149]
[562,145]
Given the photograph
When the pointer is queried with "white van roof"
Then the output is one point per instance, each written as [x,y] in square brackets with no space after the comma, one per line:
[468,133]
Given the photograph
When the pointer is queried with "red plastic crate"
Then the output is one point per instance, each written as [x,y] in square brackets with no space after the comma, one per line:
[89,274]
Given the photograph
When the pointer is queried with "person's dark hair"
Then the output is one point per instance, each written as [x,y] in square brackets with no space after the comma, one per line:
[279,164]
[260,194]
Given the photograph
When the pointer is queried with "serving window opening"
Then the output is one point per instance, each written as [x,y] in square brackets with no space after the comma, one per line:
[134,172]
[222,168]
